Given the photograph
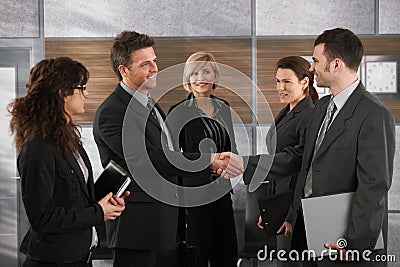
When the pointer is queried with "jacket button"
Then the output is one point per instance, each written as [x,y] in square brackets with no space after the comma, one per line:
[70,171]
[176,195]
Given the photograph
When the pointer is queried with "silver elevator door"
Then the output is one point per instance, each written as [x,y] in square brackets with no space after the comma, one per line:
[14,72]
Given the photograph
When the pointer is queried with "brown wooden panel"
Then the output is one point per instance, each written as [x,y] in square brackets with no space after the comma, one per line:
[94,54]
[269,51]
[235,52]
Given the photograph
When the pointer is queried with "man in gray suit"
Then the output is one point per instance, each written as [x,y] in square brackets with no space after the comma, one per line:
[349,147]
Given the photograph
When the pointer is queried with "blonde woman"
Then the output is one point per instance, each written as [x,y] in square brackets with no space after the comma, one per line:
[210,227]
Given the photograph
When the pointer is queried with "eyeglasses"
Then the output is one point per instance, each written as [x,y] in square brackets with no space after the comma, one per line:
[81,87]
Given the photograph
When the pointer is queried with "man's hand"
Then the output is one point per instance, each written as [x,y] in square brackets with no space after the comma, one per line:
[287,227]
[227,164]
[342,252]
[111,211]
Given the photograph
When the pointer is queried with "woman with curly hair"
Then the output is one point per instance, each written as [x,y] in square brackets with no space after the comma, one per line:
[56,174]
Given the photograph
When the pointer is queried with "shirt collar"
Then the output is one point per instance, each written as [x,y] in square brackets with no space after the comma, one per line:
[341,98]
[191,102]
[143,99]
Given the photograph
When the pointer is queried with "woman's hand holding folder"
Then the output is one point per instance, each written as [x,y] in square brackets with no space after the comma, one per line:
[113,206]
[119,201]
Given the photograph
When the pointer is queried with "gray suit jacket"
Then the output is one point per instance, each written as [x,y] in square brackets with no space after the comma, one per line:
[356,155]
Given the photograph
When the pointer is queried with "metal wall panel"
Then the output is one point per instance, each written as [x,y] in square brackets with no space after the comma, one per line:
[19,19]
[107,18]
[389,19]
[288,17]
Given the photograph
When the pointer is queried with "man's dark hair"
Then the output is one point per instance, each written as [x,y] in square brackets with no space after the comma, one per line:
[124,44]
[343,44]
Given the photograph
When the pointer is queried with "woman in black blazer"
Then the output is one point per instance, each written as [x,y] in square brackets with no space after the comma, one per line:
[56,175]
[294,84]
[203,123]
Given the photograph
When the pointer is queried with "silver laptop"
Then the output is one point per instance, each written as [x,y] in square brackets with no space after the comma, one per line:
[326,219]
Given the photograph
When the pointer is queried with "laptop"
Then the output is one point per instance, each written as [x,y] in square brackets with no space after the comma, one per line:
[326,220]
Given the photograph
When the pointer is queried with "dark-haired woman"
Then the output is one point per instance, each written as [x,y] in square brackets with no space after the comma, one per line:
[56,174]
[294,84]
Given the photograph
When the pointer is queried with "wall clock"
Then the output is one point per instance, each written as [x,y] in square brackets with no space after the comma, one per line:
[381,77]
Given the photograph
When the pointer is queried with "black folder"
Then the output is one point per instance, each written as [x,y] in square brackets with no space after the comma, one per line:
[112,179]
[273,211]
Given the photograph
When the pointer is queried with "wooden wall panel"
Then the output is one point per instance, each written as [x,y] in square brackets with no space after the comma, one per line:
[235,52]
[269,51]
[94,54]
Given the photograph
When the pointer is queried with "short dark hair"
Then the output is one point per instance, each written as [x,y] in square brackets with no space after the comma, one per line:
[301,68]
[343,44]
[124,44]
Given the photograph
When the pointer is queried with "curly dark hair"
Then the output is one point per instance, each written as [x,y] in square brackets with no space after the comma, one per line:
[124,44]
[41,112]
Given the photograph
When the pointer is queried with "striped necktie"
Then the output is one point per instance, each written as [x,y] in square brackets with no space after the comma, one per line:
[151,105]
[330,111]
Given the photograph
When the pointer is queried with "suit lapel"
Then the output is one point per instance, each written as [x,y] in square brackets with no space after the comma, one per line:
[72,162]
[313,129]
[160,110]
[279,120]
[283,118]
[289,116]
[141,110]
[122,94]
[134,105]
[90,183]
[338,125]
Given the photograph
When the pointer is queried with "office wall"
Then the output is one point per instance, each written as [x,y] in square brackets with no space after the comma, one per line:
[74,18]
[28,24]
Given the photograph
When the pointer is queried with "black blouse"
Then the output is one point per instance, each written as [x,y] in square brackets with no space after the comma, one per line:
[200,133]
[196,132]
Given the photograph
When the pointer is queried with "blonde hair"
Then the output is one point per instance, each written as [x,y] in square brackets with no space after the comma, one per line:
[195,62]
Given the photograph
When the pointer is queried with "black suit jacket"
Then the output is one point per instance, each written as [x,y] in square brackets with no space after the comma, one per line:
[356,155]
[146,223]
[288,130]
[60,206]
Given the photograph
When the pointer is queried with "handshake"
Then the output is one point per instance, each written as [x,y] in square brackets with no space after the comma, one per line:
[226,164]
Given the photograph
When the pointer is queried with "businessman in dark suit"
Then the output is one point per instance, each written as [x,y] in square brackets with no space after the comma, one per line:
[148,233]
[353,152]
